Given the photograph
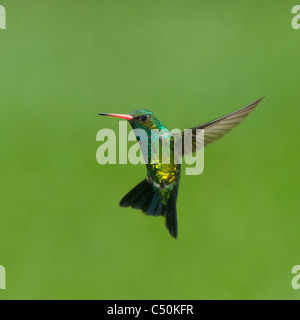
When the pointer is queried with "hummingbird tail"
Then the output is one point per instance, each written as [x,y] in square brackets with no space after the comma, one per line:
[145,198]
[171,214]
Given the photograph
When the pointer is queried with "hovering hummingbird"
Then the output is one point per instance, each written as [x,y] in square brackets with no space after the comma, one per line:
[157,194]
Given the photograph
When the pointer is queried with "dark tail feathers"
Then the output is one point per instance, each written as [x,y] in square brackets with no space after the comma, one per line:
[145,198]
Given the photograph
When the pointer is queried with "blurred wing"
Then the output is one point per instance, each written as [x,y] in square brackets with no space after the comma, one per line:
[216,129]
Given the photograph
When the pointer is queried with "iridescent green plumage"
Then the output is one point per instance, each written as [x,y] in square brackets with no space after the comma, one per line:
[163,175]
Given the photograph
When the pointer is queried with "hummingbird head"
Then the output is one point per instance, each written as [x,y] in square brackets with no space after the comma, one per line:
[139,119]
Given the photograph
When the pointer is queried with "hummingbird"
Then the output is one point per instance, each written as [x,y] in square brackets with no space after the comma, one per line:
[157,194]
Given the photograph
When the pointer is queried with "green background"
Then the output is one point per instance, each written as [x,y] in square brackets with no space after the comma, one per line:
[62,233]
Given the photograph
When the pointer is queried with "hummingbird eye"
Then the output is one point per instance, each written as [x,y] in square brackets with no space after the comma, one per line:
[144,117]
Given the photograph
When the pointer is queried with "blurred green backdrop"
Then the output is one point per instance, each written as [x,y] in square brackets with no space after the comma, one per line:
[62,233]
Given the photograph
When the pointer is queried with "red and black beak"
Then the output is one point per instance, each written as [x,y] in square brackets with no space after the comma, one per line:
[123,116]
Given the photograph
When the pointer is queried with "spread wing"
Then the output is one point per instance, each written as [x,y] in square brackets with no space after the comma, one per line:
[215,129]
